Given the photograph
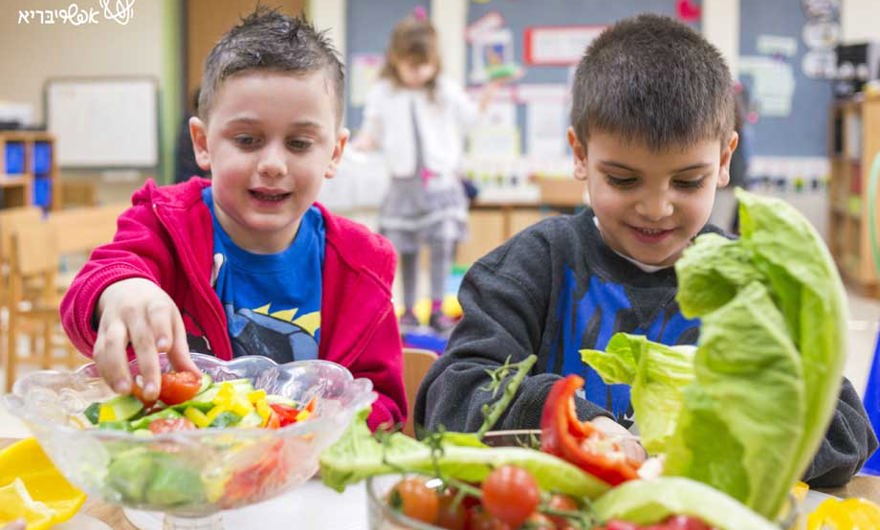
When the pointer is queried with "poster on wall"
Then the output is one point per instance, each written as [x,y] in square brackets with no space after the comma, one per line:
[558,45]
[490,50]
[773,83]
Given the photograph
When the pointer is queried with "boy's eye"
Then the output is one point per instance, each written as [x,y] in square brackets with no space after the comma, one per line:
[690,184]
[299,145]
[621,182]
[244,140]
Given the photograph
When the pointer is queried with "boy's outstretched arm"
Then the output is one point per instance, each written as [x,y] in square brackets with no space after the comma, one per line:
[121,270]
[850,440]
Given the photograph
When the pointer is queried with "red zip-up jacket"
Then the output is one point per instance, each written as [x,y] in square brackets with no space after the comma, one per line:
[167,237]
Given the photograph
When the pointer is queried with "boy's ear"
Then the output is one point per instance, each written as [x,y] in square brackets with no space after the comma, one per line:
[579,153]
[341,142]
[726,156]
[199,134]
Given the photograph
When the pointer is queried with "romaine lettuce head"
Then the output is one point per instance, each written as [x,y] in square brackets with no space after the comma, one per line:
[650,501]
[748,415]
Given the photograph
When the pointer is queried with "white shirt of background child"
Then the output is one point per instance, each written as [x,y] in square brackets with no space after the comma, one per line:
[442,125]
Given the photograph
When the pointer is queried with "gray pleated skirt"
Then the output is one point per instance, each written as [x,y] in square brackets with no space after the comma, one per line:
[415,213]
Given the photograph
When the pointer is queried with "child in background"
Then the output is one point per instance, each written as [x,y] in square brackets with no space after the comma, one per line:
[417,118]
[652,134]
[247,263]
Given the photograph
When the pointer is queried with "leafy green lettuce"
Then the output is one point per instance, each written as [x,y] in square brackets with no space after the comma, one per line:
[649,501]
[768,365]
[657,374]
[358,455]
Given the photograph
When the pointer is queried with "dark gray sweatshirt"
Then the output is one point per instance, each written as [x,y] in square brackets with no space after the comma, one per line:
[557,288]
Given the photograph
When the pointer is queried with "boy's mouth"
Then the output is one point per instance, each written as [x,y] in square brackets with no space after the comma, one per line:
[270,196]
[650,235]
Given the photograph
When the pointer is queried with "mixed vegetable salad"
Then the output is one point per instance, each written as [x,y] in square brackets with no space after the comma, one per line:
[734,421]
[158,475]
[189,401]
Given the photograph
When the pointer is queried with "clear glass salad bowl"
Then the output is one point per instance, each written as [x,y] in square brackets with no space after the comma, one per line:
[192,474]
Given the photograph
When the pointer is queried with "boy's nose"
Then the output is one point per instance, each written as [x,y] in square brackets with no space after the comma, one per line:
[272,162]
[654,207]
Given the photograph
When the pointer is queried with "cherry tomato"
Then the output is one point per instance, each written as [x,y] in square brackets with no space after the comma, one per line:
[561,502]
[178,387]
[539,521]
[170,425]
[683,522]
[450,515]
[415,500]
[511,494]
[138,392]
[480,519]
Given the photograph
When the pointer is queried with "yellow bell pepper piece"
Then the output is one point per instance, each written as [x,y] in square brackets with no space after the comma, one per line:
[256,395]
[848,514]
[106,413]
[214,412]
[28,482]
[196,416]
[303,414]
[263,410]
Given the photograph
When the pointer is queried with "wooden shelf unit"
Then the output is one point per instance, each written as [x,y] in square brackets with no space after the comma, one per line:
[854,143]
[30,171]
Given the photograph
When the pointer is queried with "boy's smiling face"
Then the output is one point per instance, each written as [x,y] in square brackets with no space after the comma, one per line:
[651,204]
[270,140]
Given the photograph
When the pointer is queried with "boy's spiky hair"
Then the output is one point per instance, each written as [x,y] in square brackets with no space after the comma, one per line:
[271,41]
[654,80]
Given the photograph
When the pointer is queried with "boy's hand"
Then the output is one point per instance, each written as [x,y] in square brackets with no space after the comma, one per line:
[629,443]
[139,312]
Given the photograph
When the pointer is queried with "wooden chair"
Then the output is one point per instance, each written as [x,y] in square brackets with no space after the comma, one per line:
[78,232]
[416,363]
[34,261]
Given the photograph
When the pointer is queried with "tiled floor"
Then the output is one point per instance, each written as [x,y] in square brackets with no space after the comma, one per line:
[863,330]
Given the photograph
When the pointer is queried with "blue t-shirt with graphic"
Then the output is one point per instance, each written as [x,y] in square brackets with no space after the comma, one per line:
[272,301]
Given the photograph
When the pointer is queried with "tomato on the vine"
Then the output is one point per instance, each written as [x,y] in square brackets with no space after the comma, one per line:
[561,503]
[480,519]
[511,494]
[451,515]
[412,497]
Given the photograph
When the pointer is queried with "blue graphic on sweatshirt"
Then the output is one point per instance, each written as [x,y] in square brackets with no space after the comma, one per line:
[597,312]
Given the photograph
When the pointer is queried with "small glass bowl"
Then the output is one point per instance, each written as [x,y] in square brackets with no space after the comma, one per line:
[205,470]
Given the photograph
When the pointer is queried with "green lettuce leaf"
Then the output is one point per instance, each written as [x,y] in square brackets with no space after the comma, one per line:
[650,501]
[744,414]
[358,455]
[657,374]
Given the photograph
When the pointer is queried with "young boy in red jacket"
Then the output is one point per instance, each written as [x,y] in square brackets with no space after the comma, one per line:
[248,263]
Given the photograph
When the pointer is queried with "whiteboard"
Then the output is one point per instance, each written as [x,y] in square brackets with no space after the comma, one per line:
[109,122]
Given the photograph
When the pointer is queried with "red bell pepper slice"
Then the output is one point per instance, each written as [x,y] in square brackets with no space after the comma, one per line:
[580,443]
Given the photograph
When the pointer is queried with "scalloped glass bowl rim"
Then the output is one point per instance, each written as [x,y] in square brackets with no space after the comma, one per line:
[14,400]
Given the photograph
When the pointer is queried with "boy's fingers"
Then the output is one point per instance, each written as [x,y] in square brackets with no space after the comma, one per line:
[144,343]
[110,357]
[178,355]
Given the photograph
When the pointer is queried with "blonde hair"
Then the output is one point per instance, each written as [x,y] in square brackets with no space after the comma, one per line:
[413,39]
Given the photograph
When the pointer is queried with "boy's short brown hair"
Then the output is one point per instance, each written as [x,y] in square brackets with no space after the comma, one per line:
[652,79]
[270,41]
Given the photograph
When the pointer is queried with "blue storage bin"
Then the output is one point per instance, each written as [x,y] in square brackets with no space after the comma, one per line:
[42,191]
[15,158]
[42,158]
